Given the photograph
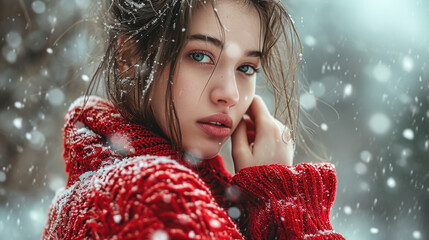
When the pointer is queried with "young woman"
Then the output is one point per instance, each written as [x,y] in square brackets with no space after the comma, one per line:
[180,77]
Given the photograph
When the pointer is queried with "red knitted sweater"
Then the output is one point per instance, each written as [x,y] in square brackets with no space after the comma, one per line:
[125,182]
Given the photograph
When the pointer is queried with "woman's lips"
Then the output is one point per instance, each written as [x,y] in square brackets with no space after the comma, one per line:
[216,125]
[215,131]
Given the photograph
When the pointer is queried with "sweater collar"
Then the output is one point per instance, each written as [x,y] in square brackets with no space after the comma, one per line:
[96,134]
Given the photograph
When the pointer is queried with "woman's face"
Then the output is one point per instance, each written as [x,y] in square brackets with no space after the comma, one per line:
[212,91]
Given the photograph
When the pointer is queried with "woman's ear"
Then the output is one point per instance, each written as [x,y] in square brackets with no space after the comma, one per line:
[126,56]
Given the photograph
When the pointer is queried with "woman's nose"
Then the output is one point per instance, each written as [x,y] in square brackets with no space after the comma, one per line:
[224,89]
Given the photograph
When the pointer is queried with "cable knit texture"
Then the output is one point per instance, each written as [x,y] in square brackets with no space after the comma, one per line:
[126,182]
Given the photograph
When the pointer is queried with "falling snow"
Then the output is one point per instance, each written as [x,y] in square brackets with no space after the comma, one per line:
[348,210]
[191,234]
[2,176]
[55,97]
[391,182]
[159,235]
[310,41]
[17,122]
[382,72]
[373,230]
[307,101]
[360,168]
[85,77]
[234,212]
[379,123]
[317,89]
[408,64]
[38,7]
[417,235]
[19,105]
[365,156]
[214,223]
[408,134]
[348,90]
[117,218]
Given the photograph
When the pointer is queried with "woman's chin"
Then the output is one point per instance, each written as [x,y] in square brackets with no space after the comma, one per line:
[203,153]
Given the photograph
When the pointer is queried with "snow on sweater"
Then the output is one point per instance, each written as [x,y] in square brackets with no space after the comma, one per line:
[126,182]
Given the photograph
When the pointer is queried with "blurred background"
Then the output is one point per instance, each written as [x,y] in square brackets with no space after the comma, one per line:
[366,65]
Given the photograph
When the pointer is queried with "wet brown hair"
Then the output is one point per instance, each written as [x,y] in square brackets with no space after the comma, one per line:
[148,36]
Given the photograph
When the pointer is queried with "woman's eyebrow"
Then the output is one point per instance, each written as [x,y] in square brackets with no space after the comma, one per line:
[218,43]
[212,40]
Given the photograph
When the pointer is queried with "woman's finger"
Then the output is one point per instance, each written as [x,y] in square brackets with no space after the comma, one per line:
[250,129]
[240,148]
[258,111]
[264,123]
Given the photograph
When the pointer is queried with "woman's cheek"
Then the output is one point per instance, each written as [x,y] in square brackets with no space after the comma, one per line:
[248,93]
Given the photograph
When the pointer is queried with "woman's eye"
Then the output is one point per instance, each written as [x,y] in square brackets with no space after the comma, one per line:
[248,70]
[200,57]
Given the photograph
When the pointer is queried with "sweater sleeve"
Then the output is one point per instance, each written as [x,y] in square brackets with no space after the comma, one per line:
[138,198]
[287,202]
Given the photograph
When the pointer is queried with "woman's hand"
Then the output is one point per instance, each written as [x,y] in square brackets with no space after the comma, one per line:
[260,139]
